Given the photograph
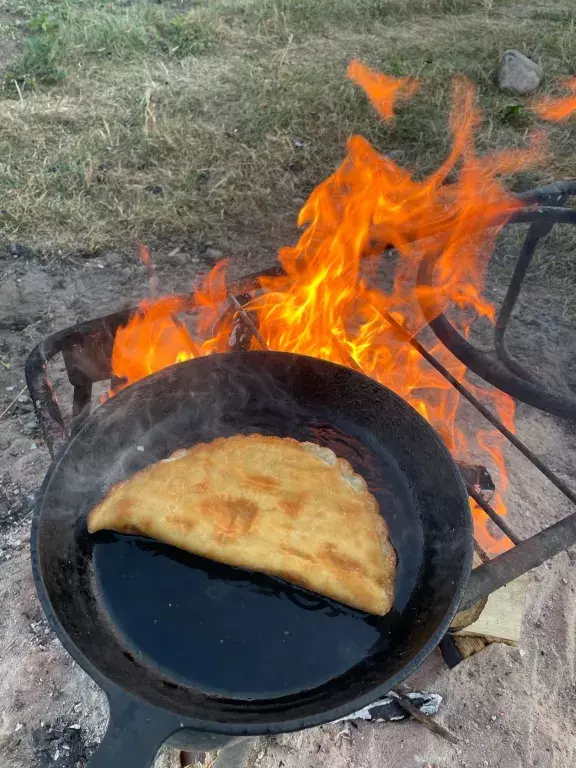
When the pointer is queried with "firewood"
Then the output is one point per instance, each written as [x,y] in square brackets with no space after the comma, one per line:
[478,477]
[501,619]
[463,619]
[468,646]
[432,725]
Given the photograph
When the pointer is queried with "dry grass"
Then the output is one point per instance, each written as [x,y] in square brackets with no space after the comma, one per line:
[124,121]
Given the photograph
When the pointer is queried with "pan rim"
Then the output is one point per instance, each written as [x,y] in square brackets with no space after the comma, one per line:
[275,723]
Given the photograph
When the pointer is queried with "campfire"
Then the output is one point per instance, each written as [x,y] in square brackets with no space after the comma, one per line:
[386,279]
[327,302]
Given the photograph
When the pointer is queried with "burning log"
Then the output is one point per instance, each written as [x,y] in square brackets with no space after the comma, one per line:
[347,358]
[244,328]
[478,477]
[192,348]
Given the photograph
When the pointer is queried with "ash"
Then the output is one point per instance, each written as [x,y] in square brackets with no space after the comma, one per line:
[61,745]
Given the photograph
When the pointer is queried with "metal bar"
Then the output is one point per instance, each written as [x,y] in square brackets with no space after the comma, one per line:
[45,403]
[526,254]
[450,651]
[248,320]
[524,450]
[483,366]
[81,399]
[556,196]
[493,515]
[551,194]
[526,555]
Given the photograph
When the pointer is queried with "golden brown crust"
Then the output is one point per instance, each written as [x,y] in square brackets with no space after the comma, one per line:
[268,504]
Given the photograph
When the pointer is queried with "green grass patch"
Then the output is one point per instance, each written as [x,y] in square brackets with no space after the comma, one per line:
[147,121]
[66,37]
[283,17]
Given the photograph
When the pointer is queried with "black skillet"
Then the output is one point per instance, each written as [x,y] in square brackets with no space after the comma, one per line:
[204,654]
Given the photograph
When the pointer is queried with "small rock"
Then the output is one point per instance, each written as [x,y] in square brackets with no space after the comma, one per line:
[19,726]
[518,73]
[76,726]
[564,581]
[212,254]
[180,259]
[397,155]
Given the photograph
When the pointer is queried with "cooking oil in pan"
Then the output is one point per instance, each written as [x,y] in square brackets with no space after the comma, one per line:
[235,633]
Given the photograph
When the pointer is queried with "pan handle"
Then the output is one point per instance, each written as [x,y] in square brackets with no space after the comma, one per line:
[526,555]
[135,733]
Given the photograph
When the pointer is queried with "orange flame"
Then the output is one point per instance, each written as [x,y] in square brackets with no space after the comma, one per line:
[382,90]
[326,306]
[558,110]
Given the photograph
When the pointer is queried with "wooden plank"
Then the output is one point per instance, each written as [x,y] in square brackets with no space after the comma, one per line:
[501,619]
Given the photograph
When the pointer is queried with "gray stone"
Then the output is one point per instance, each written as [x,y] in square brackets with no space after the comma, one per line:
[213,254]
[397,155]
[518,73]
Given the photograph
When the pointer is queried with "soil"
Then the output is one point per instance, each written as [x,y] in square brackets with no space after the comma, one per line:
[510,708]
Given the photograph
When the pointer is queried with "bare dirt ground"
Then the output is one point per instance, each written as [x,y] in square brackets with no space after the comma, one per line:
[510,708]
